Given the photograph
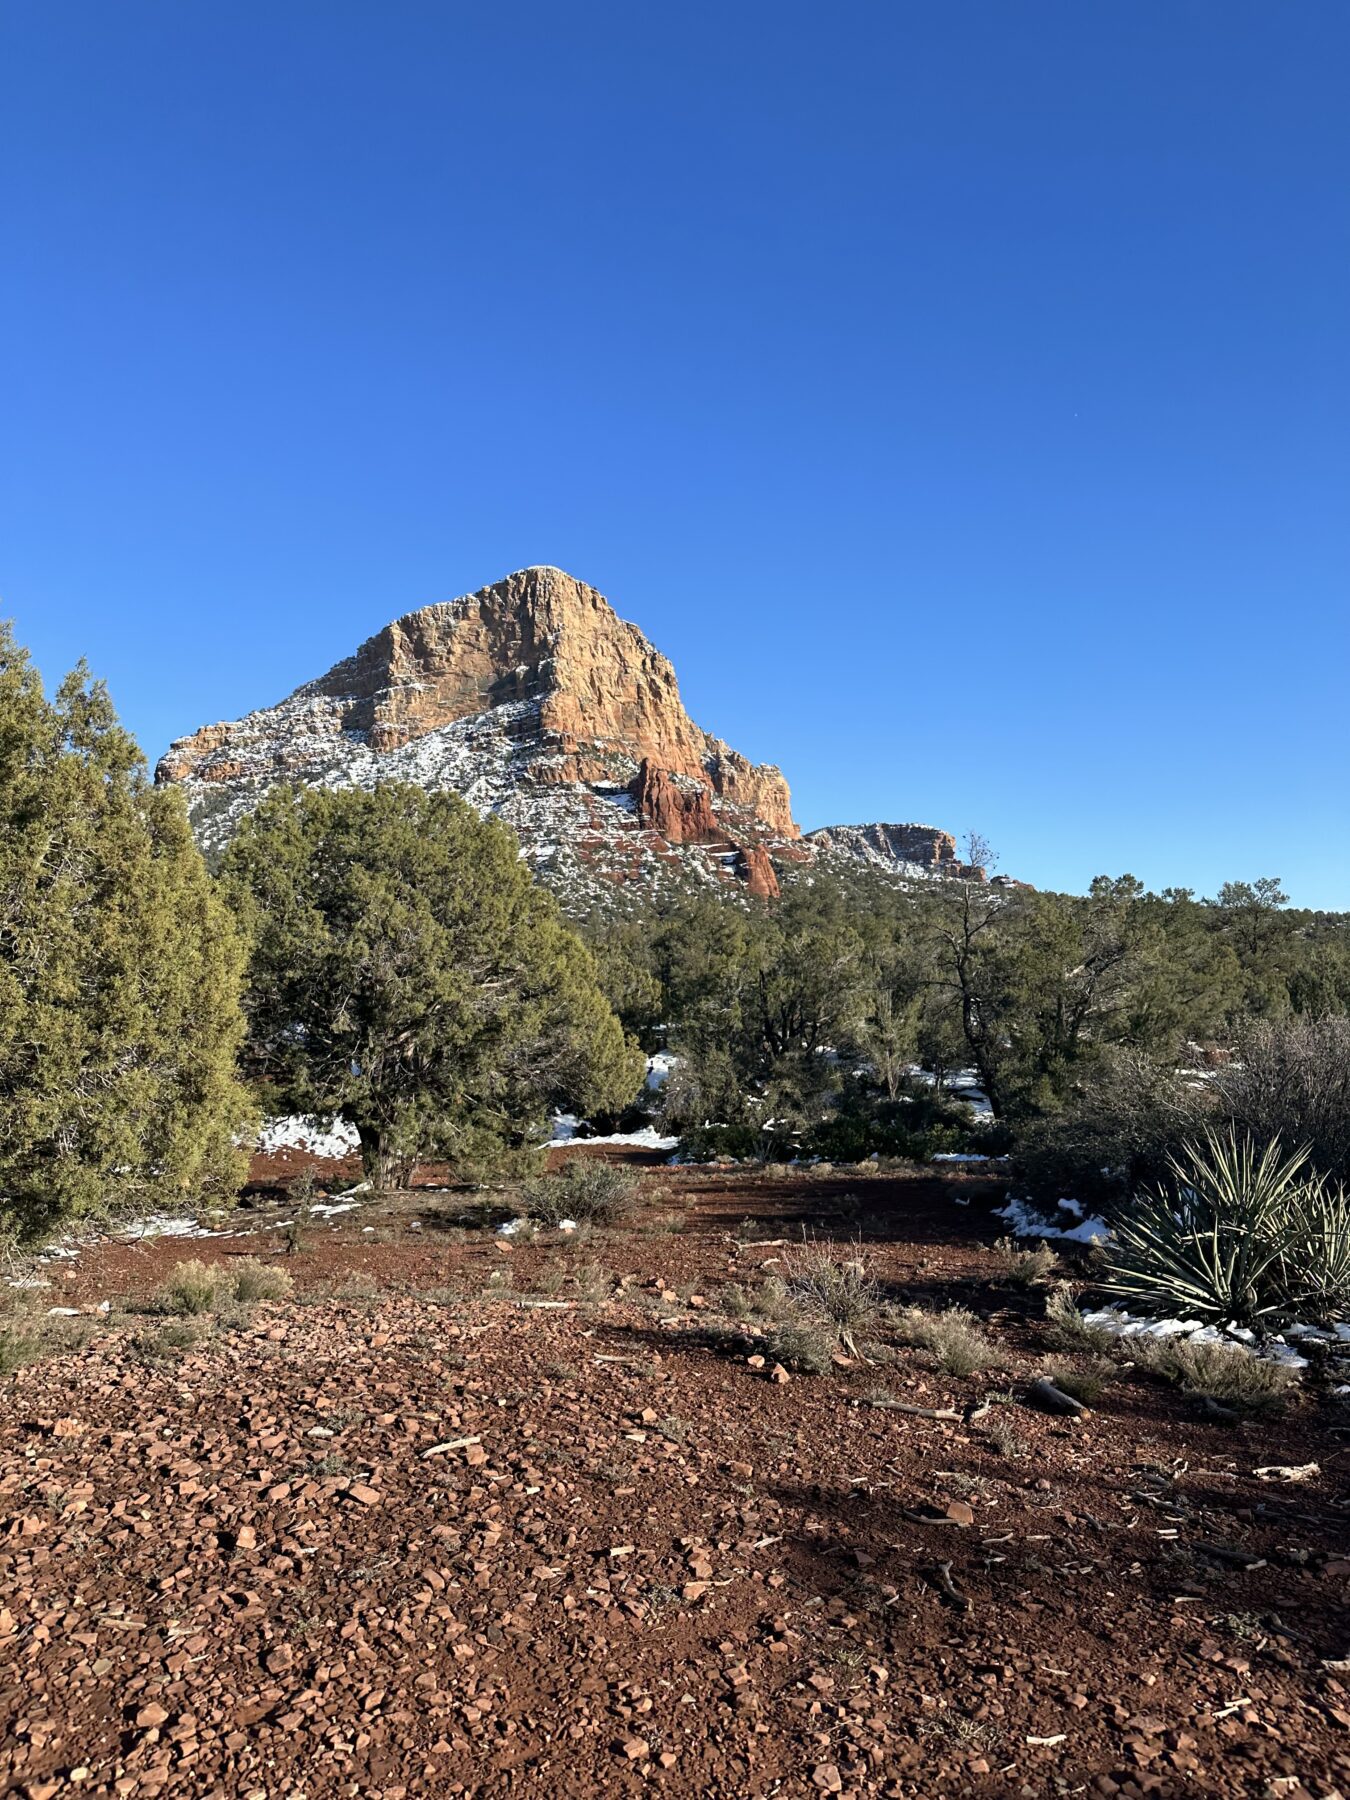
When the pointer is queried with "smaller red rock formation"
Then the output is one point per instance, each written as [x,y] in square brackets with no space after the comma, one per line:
[682,815]
[756,870]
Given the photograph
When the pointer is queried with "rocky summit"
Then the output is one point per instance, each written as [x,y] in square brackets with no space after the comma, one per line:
[914,850]
[534,700]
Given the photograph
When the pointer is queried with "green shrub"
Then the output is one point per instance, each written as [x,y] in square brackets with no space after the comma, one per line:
[1238,1237]
[119,973]
[915,1128]
[406,970]
[585,1190]
[706,1143]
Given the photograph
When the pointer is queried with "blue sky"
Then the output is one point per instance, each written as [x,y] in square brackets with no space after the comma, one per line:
[957,393]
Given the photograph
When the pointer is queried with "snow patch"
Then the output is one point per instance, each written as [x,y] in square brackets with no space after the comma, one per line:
[1026,1223]
[325,1138]
[649,1138]
[1122,1324]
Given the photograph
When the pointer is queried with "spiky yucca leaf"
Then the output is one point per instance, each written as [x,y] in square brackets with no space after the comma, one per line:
[1224,1246]
[1319,1256]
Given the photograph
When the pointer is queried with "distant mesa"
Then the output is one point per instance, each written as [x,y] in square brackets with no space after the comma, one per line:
[534,700]
[913,849]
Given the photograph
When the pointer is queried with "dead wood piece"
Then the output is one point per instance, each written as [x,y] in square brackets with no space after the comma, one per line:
[1045,1395]
[1228,1553]
[919,1412]
[949,1589]
[1209,1408]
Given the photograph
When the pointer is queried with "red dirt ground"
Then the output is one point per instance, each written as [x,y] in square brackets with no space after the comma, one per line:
[249,1567]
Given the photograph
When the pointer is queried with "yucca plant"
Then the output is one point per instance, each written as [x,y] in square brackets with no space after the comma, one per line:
[1226,1244]
[1319,1256]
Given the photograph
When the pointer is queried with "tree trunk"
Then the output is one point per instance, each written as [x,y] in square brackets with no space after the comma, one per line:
[386,1169]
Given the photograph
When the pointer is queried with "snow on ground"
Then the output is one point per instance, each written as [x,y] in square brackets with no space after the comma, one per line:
[1123,1325]
[567,1130]
[1026,1222]
[326,1138]
[659,1067]
[960,1084]
[163,1225]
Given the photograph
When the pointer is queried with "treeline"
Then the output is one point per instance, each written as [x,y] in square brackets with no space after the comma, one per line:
[382,956]
[387,957]
[798,1026]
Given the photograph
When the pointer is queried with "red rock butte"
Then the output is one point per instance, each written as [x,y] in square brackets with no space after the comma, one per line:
[603,692]
[585,698]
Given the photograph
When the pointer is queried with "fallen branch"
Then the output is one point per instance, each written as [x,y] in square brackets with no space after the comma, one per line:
[1228,1553]
[1049,1398]
[919,1412]
[944,1577]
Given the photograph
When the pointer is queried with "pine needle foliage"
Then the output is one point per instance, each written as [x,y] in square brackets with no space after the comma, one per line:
[119,972]
[409,975]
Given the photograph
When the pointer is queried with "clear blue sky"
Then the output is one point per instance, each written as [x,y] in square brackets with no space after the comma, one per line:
[957,392]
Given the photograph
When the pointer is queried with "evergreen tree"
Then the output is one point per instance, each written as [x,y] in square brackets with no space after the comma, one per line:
[408,975]
[119,972]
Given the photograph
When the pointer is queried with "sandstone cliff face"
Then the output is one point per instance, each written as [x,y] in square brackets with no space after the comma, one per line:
[755,867]
[904,849]
[920,845]
[535,700]
[605,699]
[682,815]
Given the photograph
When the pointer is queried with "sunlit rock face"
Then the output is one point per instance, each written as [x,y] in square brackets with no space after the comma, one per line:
[538,703]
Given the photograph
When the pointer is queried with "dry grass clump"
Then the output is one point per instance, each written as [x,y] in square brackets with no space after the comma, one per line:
[253,1280]
[771,1300]
[194,1287]
[593,1282]
[834,1292]
[954,1337]
[802,1349]
[19,1344]
[585,1190]
[1004,1436]
[1085,1378]
[1226,1372]
[1069,1330]
[1026,1268]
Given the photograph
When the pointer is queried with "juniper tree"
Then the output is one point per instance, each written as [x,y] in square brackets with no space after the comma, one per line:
[119,971]
[408,975]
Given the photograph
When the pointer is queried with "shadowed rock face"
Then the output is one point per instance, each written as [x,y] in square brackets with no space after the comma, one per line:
[604,699]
